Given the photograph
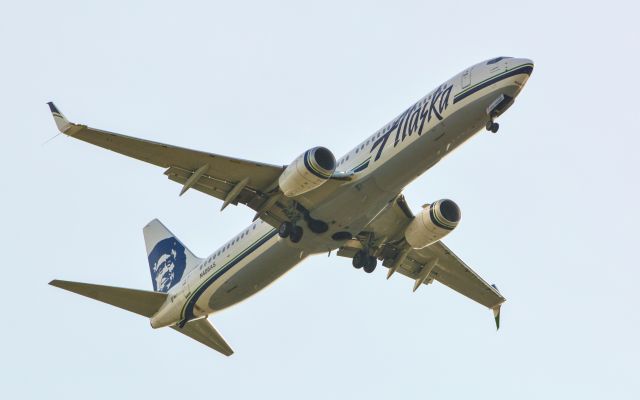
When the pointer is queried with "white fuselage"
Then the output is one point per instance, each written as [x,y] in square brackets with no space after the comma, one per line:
[383,163]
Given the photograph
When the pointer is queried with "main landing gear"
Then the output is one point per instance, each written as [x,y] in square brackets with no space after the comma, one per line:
[363,260]
[293,232]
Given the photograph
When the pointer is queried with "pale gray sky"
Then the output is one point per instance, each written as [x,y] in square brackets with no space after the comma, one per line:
[549,203]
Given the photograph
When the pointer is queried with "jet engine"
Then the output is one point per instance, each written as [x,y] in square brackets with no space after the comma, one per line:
[307,172]
[434,222]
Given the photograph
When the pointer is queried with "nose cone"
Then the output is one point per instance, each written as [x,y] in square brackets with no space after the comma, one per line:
[522,64]
[519,70]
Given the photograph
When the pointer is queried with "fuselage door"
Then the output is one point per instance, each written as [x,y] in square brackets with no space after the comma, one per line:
[466,78]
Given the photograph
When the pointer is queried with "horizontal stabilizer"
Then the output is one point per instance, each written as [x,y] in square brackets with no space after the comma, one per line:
[141,302]
[202,331]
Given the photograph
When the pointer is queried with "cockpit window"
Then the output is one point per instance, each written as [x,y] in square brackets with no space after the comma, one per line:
[495,60]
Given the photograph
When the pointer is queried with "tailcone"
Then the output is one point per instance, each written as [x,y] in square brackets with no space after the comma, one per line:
[165,316]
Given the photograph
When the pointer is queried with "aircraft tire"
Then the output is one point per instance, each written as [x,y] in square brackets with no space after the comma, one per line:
[358,260]
[284,230]
[296,234]
[370,265]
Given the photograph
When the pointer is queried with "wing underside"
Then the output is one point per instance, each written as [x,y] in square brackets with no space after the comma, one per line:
[435,262]
[232,180]
[451,271]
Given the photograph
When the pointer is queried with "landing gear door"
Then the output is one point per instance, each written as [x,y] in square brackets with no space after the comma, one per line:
[466,78]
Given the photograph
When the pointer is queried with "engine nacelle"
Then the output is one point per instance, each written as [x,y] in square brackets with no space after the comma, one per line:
[432,223]
[307,172]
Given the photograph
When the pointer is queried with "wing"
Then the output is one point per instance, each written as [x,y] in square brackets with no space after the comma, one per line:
[451,271]
[434,262]
[229,179]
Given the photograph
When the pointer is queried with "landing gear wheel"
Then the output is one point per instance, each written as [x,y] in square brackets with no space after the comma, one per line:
[359,260]
[296,234]
[284,230]
[492,126]
[371,264]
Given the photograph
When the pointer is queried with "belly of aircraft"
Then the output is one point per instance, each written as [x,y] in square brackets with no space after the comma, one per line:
[252,275]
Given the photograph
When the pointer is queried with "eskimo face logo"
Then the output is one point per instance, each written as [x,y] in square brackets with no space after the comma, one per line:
[167,261]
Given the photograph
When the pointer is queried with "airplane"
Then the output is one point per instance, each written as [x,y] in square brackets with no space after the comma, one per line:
[316,204]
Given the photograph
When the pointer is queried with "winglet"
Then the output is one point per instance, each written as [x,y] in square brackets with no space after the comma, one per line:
[63,124]
[496,309]
[496,315]
[61,121]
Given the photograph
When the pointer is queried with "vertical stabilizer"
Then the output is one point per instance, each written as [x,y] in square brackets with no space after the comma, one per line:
[169,259]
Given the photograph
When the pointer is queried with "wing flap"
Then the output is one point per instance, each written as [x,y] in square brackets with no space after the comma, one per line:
[164,155]
[215,187]
[224,168]
[202,331]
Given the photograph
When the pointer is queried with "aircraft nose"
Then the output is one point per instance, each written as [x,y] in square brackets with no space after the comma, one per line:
[525,64]
[520,70]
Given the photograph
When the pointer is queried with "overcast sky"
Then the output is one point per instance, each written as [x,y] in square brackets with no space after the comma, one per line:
[550,203]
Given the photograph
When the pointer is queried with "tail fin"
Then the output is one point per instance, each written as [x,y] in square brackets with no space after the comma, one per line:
[169,259]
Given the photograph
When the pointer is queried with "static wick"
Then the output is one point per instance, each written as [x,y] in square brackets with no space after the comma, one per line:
[51,138]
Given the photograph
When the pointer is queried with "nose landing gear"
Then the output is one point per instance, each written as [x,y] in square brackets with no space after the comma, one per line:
[497,108]
[492,126]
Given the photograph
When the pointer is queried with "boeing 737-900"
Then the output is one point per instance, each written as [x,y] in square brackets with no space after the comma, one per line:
[316,204]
